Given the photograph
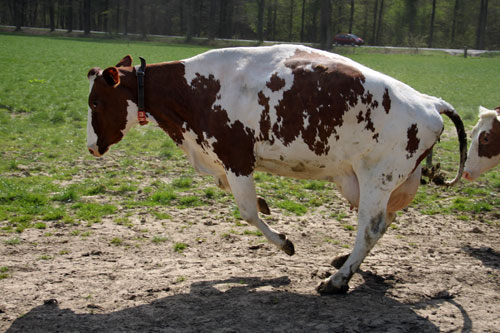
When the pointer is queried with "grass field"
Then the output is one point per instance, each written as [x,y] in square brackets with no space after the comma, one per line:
[47,175]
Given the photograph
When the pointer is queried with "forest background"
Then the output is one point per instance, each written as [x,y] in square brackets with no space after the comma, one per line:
[412,23]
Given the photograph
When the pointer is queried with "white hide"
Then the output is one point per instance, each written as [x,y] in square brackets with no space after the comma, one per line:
[91,135]
[243,72]
[476,165]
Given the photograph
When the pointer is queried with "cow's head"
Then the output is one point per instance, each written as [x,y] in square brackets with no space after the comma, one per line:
[484,151]
[110,103]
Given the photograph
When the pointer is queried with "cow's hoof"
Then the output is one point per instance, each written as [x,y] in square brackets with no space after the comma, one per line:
[339,261]
[326,288]
[288,247]
[263,207]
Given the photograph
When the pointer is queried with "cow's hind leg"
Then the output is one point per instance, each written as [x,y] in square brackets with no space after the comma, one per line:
[399,199]
[338,261]
[243,189]
[372,219]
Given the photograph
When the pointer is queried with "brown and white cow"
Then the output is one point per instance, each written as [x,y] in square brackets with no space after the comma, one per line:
[288,110]
[484,151]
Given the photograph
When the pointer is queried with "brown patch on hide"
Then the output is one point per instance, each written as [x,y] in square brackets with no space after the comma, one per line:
[371,104]
[275,83]
[234,143]
[489,142]
[413,141]
[386,101]
[323,90]
[265,120]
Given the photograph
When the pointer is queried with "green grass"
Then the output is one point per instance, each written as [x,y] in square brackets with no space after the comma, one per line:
[293,207]
[47,176]
[116,241]
[183,182]
[180,247]
[12,241]
[93,212]
[159,239]
[4,272]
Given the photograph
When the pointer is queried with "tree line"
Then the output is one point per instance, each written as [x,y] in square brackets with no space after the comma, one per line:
[414,23]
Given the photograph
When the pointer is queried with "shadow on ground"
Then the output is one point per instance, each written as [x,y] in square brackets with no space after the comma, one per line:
[243,305]
[487,255]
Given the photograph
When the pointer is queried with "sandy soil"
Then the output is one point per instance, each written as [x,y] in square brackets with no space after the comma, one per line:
[429,273]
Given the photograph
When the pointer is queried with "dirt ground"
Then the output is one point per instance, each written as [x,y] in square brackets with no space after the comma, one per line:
[429,274]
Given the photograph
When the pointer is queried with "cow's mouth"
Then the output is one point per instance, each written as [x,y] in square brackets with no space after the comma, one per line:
[97,152]
[468,175]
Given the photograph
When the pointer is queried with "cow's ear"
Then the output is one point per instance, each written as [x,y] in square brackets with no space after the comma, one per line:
[498,110]
[483,110]
[111,76]
[93,72]
[125,62]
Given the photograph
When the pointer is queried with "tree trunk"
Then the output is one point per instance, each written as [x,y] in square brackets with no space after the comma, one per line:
[199,18]
[365,21]
[481,26]
[18,8]
[60,22]
[302,21]
[117,17]
[275,14]
[212,26]
[52,18]
[374,29]
[152,18]
[325,25]
[126,10]
[222,18]
[290,22]
[431,30]
[379,23]
[189,20]
[351,18]
[86,17]
[34,14]
[229,20]
[141,18]
[260,19]
[106,16]
[411,15]
[226,19]
[454,21]
[181,16]
[12,10]
[69,15]
[316,8]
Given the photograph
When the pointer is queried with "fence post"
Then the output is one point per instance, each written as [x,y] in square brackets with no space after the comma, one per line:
[465,51]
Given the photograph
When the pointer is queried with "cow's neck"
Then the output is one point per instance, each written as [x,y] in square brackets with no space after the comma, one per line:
[167,97]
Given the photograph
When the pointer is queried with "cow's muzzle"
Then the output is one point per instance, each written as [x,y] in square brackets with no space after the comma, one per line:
[95,151]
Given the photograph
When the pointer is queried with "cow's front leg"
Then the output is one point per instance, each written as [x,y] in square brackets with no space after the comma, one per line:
[372,218]
[223,184]
[243,189]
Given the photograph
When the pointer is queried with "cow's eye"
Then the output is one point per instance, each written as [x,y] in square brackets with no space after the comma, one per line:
[94,104]
[484,138]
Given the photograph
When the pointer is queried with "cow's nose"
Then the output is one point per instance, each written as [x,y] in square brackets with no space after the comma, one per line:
[467,175]
[92,152]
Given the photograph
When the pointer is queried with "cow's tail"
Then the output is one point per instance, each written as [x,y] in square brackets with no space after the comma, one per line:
[462,139]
